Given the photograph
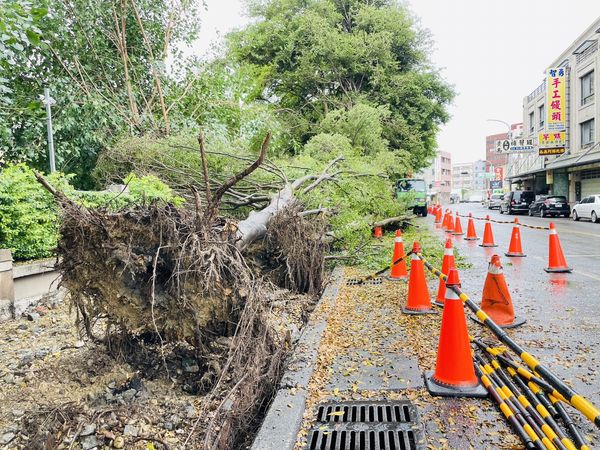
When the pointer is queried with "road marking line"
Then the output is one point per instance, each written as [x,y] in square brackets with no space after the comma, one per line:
[586,274]
[578,232]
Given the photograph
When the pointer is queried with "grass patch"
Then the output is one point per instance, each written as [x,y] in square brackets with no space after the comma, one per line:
[378,253]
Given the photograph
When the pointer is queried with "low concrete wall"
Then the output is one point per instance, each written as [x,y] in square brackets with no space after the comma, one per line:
[24,285]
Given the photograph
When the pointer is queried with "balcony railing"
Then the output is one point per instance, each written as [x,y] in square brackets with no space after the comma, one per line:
[587,52]
[538,91]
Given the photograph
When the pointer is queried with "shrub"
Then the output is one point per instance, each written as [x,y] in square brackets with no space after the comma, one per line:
[29,215]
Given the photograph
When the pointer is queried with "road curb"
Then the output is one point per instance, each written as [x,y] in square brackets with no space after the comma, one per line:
[284,417]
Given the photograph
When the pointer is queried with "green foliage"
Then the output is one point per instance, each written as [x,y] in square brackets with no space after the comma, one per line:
[28,213]
[176,160]
[362,125]
[150,188]
[29,216]
[19,29]
[362,193]
[105,63]
[431,244]
[324,55]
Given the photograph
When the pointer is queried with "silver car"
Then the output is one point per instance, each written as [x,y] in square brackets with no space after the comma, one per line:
[494,201]
[587,208]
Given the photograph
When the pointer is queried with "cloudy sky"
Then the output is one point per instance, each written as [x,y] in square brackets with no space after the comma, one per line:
[493,51]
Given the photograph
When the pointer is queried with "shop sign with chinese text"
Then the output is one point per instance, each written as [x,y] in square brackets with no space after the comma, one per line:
[551,151]
[555,99]
[498,173]
[515,145]
[550,139]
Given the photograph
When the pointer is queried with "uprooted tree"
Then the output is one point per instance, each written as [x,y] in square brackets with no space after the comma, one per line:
[172,276]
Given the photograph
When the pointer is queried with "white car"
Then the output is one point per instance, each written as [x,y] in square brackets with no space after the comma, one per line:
[587,208]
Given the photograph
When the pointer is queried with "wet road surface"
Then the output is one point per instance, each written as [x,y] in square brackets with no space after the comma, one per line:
[562,310]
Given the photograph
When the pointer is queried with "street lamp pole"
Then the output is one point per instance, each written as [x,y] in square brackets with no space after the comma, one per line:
[505,123]
[49,101]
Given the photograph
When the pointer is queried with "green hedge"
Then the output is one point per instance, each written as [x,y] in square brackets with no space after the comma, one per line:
[29,216]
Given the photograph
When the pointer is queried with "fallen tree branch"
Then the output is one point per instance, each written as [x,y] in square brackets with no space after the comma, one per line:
[311,212]
[204,167]
[324,175]
[244,173]
[390,220]
[255,225]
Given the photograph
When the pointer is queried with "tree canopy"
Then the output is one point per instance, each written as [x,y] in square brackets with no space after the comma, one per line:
[106,65]
[318,56]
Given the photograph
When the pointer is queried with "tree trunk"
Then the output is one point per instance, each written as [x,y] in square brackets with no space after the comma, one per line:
[255,225]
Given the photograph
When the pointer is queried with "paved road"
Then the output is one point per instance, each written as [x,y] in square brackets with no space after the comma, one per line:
[563,310]
[580,240]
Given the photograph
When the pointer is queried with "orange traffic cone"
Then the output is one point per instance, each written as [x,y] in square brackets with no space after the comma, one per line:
[398,271]
[447,264]
[471,233]
[438,215]
[445,220]
[378,232]
[514,248]
[495,298]
[418,301]
[450,226]
[458,231]
[488,236]
[556,258]
[454,374]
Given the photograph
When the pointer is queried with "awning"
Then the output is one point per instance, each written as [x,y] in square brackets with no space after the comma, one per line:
[575,160]
[526,175]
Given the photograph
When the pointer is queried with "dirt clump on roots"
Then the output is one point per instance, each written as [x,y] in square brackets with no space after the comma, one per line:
[172,298]
[296,250]
[151,270]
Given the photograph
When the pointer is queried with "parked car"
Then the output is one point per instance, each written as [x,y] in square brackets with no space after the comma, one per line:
[587,208]
[516,202]
[494,201]
[551,205]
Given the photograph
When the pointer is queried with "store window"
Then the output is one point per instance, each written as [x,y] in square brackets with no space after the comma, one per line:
[531,122]
[588,132]
[587,88]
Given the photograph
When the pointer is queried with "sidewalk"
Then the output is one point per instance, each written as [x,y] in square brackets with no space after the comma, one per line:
[370,350]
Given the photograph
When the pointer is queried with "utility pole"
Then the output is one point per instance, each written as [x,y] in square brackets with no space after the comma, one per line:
[49,101]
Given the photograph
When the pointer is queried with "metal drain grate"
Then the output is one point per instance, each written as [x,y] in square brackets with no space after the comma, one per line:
[358,281]
[368,412]
[375,425]
[363,440]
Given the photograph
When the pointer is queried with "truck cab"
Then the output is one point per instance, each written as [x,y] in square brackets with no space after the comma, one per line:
[414,191]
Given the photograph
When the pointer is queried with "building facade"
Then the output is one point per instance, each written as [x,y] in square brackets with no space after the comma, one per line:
[470,178]
[575,171]
[499,161]
[480,169]
[462,177]
[438,177]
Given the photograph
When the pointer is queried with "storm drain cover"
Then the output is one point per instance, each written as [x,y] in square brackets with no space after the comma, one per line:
[382,425]
[357,281]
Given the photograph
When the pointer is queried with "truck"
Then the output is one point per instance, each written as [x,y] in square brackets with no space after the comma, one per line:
[414,192]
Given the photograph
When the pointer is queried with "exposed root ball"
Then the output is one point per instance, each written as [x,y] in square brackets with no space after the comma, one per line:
[152,270]
[295,244]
